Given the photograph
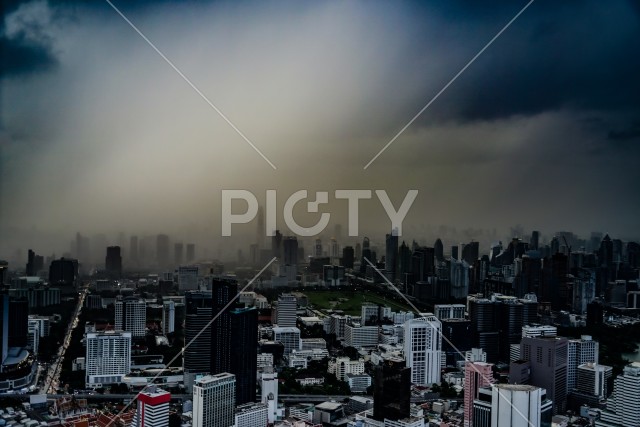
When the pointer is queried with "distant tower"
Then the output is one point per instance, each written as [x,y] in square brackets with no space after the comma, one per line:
[348,257]
[276,244]
[113,262]
[438,248]
[535,240]
[317,249]
[290,250]
[391,255]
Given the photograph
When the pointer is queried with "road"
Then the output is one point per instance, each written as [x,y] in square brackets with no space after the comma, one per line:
[53,375]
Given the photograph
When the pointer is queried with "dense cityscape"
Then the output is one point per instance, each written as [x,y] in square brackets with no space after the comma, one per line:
[312,332]
[415,213]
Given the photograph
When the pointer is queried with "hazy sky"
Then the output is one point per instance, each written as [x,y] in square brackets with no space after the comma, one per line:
[99,134]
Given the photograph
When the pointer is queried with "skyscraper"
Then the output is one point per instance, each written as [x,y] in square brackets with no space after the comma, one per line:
[269,392]
[214,400]
[290,250]
[131,316]
[244,352]
[108,357]
[579,352]
[197,354]
[113,262]
[423,349]
[513,405]
[168,317]
[548,359]
[152,408]
[391,392]
[222,293]
[63,272]
[391,255]
[18,322]
[286,314]
[622,407]
[348,257]
[476,376]
[35,263]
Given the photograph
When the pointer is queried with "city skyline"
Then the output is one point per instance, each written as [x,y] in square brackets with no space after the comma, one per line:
[541,130]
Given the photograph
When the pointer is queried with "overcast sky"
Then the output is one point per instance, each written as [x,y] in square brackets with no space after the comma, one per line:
[99,134]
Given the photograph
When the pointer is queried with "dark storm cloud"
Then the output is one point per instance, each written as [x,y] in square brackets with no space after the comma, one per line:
[557,55]
[623,135]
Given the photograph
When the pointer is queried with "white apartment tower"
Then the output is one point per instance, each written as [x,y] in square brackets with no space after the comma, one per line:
[423,349]
[168,317]
[131,316]
[214,399]
[108,357]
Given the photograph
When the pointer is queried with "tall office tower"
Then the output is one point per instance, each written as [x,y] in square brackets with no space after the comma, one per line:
[470,252]
[358,251]
[476,376]
[223,291]
[422,264]
[214,399]
[548,360]
[438,249]
[456,339]
[483,327]
[244,352]
[391,392]
[510,322]
[18,322]
[286,314]
[35,263]
[454,252]
[535,240]
[579,352]
[153,408]
[178,254]
[133,250]
[131,316]
[63,272]
[269,392]
[260,230]
[276,244]
[4,267]
[348,257]
[4,328]
[168,317]
[162,250]
[108,357]
[113,262]
[317,249]
[290,246]
[197,355]
[391,255]
[622,407]
[188,277]
[449,311]
[529,309]
[423,349]
[512,405]
[404,263]
[191,252]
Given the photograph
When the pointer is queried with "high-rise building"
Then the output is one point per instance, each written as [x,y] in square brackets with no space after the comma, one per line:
[476,375]
[131,316]
[269,393]
[4,328]
[108,357]
[214,399]
[223,291]
[289,337]
[63,272]
[438,249]
[449,311]
[153,408]
[622,407]
[244,352]
[168,317]
[579,352]
[251,415]
[391,392]
[595,380]
[188,277]
[484,331]
[290,245]
[198,314]
[35,263]
[286,314]
[548,359]
[276,244]
[348,257]
[19,322]
[391,255]
[423,349]
[513,405]
[113,262]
